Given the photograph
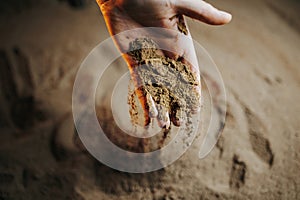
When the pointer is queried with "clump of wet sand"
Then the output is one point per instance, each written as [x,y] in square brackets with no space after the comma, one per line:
[170,83]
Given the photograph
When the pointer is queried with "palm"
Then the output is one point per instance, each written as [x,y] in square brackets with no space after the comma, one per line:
[123,15]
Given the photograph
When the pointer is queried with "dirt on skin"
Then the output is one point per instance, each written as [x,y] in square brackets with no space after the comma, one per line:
[181,26]
[169,82]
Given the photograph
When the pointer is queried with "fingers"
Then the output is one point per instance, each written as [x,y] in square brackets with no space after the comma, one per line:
[163,118]
[196,87]
[176,115]
[141,94]
[202,11]
[152,108]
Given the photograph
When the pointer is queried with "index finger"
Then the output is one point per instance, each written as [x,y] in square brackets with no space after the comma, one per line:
[202,11]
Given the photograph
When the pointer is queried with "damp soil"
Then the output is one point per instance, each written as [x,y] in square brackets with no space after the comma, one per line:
[257,128]
[169,82]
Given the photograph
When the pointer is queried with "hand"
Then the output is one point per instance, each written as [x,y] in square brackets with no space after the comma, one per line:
[122,15]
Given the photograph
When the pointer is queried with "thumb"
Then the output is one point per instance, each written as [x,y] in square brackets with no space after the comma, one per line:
[202,11]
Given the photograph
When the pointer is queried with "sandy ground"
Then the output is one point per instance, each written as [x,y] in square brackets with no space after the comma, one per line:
[257,156]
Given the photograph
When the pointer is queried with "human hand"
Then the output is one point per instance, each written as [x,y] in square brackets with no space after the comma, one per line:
[123,15]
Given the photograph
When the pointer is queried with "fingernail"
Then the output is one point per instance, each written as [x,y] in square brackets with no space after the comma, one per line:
[163,118]
[152,108]
[227,16]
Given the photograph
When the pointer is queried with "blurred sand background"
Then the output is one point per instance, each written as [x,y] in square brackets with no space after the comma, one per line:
[42,44]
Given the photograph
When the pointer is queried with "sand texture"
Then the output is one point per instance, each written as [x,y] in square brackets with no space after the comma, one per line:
[42,44]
